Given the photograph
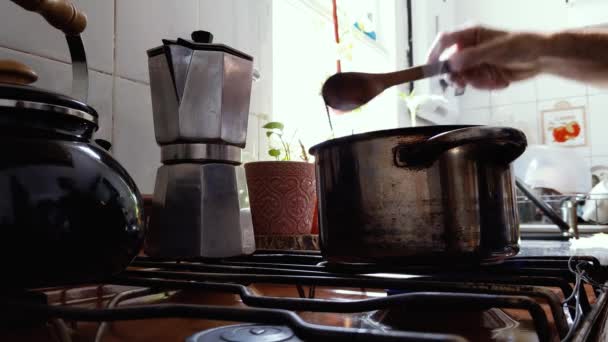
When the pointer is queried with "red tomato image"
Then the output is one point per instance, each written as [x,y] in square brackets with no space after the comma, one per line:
[574,129]
[566,132]
[560,134]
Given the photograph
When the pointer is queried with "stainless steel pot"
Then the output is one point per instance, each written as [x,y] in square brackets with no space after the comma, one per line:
[419,195]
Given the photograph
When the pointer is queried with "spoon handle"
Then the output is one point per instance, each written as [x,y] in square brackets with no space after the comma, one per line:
[415,73]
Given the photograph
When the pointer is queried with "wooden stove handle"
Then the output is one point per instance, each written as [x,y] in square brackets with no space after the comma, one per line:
[61,14]
[16,72]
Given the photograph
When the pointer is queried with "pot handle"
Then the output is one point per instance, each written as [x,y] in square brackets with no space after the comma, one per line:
[500,144]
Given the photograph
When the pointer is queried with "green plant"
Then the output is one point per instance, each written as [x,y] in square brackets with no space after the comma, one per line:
[415,102]
[412,105]
[410,100]
[303,153]
[283,152]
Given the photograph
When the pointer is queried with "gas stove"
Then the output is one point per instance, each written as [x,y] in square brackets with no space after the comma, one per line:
[297,296]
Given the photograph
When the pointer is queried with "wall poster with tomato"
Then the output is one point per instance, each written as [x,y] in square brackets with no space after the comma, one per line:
[564,125]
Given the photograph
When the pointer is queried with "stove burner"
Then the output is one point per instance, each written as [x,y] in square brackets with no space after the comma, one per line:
[246,333]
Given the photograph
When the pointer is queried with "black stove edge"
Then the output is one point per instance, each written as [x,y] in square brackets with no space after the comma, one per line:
[263,309]
[589,330]
[302,328]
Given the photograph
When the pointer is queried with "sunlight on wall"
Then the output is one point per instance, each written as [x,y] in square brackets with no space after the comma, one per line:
[304,55]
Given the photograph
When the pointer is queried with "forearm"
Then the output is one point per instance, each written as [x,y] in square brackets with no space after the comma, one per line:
[578,55]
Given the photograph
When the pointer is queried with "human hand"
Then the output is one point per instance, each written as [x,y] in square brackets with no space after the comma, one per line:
[489,59]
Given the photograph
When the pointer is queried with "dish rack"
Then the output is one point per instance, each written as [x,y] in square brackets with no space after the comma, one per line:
[534,224]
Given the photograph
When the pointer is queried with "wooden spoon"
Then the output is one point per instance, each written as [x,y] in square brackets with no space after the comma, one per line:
[350,90]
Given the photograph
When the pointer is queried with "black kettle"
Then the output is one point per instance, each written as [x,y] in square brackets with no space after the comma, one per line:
[69,212]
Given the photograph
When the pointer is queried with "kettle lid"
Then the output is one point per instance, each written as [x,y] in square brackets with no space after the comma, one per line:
[17,96]
[201,41]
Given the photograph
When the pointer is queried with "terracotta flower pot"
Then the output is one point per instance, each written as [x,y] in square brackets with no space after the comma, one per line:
[282,196]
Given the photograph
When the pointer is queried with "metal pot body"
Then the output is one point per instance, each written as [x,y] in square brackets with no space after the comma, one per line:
[422,195]
[200,96]
[70,213]
[195,213]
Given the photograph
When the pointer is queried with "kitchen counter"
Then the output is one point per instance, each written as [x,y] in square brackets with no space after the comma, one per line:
[545,248]
[596,246]
[552,229]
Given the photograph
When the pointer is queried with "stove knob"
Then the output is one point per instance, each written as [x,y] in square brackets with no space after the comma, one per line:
[246,333]
[257,331]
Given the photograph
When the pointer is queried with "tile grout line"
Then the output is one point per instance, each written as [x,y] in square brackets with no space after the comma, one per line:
[50,58]
[114,71]
[133,80]
[537,116]
[198,14]
[588,128]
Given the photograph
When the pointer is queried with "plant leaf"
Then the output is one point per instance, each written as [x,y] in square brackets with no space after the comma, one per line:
[269,133]
[303,155]
[274,125]
[273,152]
[286,150]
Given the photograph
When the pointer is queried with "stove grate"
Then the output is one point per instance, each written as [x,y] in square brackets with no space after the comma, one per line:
[518,283]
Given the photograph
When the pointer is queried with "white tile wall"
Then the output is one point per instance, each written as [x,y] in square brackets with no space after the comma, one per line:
[598,124]
[587,13]
[253,139]
[553,87]
[52,75]
[588,162]
[141,24]
[596,90]
[516,93]
[101,98]
[248,30]
[599,161]
[473,98]
[134,143]
[213,16]
[513,14]
[475,116]
[118,34]
[522,116]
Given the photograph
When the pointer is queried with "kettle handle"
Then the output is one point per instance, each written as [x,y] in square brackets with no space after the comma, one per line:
[506,144]
[61,14]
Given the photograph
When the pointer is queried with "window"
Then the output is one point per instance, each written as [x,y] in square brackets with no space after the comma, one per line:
[305,53]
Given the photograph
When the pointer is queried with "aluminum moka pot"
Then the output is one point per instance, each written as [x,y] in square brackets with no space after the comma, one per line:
[200,91]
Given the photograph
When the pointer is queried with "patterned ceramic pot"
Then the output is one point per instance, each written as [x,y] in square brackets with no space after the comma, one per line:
[282,196]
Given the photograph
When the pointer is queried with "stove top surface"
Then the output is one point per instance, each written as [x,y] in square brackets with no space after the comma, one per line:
[297,296]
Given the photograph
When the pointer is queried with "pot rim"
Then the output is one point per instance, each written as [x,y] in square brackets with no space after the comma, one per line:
[422,130]
[277,162]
